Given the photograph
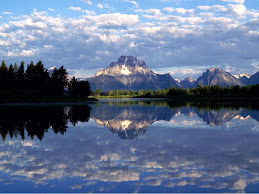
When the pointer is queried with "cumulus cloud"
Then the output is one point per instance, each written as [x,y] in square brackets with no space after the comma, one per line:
[75,8]
[206,35]
[89,2]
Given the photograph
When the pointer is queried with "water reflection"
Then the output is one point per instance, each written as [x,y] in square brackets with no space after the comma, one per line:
[130,119]
[38,120]
[187,148]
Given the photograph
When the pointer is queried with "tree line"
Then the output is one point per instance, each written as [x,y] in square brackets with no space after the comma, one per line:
[199,91]
[37,78]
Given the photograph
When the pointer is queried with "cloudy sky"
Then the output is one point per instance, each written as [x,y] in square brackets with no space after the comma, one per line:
[183,37]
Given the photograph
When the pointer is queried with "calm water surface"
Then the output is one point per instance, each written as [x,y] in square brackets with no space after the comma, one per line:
[135,146]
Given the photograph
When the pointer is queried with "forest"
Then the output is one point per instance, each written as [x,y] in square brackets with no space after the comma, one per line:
[34,82]
[199,92]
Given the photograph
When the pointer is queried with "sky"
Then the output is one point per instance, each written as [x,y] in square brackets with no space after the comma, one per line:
[182,37]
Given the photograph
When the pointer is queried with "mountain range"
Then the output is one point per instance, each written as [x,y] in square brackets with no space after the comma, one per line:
[132,74]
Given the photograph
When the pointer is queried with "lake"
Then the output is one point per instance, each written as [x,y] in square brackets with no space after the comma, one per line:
[130,146]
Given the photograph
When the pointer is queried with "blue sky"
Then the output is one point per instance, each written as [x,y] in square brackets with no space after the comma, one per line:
[183,37]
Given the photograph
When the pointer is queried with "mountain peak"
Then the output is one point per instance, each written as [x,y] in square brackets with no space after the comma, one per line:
[214,69]
[189,79]
[242,75]
[129,61]
[130,73]
[215,76]
[125,66]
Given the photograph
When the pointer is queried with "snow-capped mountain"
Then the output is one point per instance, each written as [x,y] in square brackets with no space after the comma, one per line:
[188,82]
[215,76]
[242,75]
[131,74]
[51,70]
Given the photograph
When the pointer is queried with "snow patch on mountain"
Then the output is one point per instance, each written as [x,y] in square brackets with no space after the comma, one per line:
[242,75]
[125,70]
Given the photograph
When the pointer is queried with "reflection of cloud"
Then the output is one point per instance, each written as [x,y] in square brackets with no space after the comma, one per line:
[89,156]
[76,187]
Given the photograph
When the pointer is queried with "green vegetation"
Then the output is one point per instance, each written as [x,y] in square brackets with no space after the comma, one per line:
[36,84]
[201,92]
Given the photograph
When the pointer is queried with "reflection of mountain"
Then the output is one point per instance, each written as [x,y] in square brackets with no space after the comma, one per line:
[130,121]
[127,119]
[187,159]
[216,118]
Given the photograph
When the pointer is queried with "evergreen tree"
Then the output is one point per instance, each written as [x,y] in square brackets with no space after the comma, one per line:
[30,76]
[59,81]
[3,76]
[20,76]
[79,88]
[15,67]
[11,77]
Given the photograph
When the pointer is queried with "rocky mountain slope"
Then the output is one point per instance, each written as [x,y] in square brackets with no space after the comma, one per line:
[188,82]
[254,79]
[215,76]
[131,74]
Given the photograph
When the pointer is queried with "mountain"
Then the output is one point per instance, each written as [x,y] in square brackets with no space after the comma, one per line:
[51,70]
[215,76]
[242,75]
[244,78]
[254,79]
[131,74]
[188,82]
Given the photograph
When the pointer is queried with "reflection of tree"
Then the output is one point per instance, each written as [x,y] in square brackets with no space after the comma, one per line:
[132,118]
[79,113]
[37,120]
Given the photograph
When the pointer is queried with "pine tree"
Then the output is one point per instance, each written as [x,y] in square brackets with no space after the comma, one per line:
[11,77]
[20,76]
[15,67]
[3,76]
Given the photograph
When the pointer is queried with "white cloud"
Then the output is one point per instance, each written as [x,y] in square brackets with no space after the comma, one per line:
[133,2]
[234,1]
[89,2]
[75,8]
[87,12]
[179,10]
[171,37]
[155,12]
[238,10]
[28,53]
[100,6]
[7,13]
[50,9]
